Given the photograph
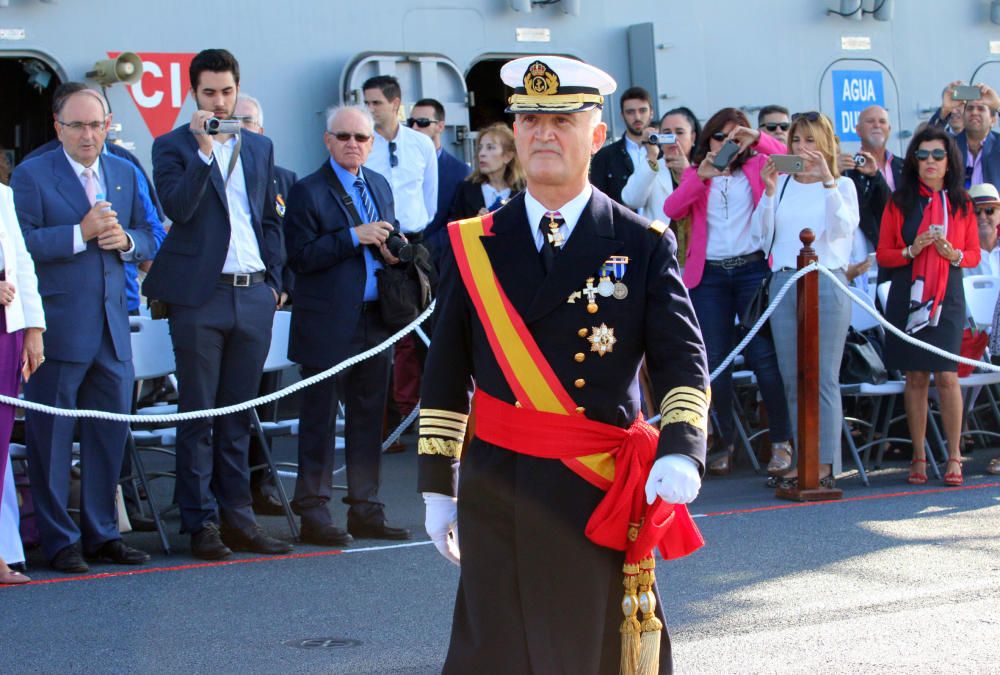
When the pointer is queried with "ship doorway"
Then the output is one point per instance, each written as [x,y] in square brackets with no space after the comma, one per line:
[26,123]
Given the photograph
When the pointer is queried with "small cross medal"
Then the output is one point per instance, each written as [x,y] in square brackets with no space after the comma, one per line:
[591,292]
[555,238]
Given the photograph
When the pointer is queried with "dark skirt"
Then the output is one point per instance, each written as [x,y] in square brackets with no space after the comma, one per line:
[947,335]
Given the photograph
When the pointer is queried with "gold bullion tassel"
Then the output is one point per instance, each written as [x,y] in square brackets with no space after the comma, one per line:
[652,627]
[631,627]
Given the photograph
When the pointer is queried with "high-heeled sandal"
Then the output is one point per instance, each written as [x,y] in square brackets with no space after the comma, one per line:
[954,479]
[781,458]
[722,466]
[916,478]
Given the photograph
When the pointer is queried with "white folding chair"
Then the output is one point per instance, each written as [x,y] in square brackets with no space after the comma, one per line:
[981,292]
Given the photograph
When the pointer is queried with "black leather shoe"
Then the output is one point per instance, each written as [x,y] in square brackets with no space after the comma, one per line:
[115,551]
[69,560]
[141,523]
[266,502]
[324,535]
[207,544]
[376,530]
[254,541]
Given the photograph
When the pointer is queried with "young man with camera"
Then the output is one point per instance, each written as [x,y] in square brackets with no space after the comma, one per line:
[218,276]
[615,162]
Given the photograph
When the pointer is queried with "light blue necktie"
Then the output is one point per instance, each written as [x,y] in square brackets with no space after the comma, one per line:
[366,203]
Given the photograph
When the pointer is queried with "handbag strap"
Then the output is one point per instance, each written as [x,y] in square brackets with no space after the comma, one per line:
[774,234]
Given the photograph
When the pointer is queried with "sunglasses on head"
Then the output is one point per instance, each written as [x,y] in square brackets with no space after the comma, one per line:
[422,122]
[811,116]
[393,158]
[344,136]
[774,126]
[937,153]
[988,210]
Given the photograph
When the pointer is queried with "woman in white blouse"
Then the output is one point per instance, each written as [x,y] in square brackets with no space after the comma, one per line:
[825,202]
[21,325]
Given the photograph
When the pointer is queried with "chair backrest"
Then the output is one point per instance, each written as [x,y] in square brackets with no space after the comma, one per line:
[883,294]
[860,319]
[981,292]
[277,355]
[152,350]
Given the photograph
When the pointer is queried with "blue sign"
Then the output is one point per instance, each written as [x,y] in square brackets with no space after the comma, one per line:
[853,91]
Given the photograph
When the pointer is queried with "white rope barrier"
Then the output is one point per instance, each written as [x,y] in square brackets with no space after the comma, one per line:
[230,409]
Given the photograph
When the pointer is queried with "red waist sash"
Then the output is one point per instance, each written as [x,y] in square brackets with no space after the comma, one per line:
[546,435]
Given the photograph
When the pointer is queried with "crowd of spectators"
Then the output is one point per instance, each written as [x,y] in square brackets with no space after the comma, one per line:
[225,238]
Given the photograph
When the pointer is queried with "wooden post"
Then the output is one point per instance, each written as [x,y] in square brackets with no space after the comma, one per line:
[807,291]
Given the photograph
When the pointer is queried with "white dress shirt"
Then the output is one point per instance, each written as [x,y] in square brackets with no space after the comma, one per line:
[490,194]
[25,310]
[989,263]
[79,245]
[731,230]
[646,190]
[414,179]
[243,255]
[570,212]
[831,213]
[636,152]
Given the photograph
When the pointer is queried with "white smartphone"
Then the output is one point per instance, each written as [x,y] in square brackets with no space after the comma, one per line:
[936,230]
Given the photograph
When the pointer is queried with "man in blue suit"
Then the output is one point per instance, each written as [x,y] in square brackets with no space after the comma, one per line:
[428,117]
[82,219]
[335,246]
[219,276]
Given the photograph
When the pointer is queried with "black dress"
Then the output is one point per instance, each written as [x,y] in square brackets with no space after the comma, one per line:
[947,335]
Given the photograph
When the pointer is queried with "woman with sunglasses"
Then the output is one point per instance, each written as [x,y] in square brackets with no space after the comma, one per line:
[497,177]
[821,199]
[928,232]
[725,266]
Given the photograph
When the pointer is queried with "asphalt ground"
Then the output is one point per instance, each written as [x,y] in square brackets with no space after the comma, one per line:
[892,579]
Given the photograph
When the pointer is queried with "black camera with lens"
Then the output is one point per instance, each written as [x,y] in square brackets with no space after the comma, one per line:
[399,247]
[215,126]
[859,160]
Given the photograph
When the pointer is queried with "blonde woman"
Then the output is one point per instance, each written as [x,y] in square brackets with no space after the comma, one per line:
[497,177]
[826,202]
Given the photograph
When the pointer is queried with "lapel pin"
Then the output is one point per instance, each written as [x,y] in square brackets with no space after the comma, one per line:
[573,297]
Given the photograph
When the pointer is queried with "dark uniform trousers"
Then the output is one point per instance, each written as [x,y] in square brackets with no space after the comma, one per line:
[363,388]
[220,348]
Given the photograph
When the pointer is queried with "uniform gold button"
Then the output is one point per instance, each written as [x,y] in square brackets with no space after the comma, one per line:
[580,409]
[580,384]
[583,332]
[517,404]
[579,357]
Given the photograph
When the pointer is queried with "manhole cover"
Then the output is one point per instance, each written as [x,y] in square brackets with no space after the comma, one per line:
[322,643]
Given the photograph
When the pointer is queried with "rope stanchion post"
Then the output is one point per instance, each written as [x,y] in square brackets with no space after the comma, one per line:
[807,290]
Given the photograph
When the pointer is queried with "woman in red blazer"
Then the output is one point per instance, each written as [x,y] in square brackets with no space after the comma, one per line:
[928,232]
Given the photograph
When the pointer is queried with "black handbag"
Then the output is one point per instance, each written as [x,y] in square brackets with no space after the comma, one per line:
[861,363]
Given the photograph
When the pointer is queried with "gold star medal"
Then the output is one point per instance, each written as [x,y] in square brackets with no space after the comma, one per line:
[602,339]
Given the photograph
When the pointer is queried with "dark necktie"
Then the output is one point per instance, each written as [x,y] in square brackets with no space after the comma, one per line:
[552,239]
[366,203]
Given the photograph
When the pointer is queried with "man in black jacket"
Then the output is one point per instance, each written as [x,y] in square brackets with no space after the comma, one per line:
[614,163]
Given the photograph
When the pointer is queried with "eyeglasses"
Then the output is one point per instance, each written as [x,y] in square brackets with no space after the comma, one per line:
[343,136]
[720,136]
[937,153]
[393,158]
[774,126]
[422,122]
[989,210]
[77,127]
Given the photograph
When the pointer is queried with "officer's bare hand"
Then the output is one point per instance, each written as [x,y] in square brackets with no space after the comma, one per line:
[114,239]
[373,233]
[7,292]
[99,218]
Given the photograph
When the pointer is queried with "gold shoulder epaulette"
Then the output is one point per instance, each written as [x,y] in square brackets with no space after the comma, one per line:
[658,227]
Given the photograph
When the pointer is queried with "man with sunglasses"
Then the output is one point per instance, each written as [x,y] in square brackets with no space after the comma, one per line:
[986,202]
[336,226]
[428,117]
[774,121]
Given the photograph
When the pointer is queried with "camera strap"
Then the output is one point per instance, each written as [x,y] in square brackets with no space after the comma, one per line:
[235,157]
[338,188]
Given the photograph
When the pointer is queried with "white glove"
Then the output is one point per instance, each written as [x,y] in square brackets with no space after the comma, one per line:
[674,479]
[441,523]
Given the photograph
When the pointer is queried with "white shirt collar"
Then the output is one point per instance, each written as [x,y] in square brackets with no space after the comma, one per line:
[78,168]
[570,211]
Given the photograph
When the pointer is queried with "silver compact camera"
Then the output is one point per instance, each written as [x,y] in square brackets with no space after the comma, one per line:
[214,126]
[662,139]
[859,160]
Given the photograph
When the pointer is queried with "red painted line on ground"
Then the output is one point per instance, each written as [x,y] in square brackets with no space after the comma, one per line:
[178,568]
[863,498]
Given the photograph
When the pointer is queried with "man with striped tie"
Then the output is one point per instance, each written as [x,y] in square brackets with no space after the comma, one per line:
[336,226]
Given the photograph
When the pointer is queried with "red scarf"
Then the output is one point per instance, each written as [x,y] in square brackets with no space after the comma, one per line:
[930,268]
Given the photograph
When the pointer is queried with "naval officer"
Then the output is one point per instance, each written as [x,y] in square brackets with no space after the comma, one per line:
[546,309]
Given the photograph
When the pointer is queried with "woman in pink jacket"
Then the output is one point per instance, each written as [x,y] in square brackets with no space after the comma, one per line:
[725,265]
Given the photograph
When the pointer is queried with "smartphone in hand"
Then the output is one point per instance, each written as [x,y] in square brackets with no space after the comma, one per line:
[726,153]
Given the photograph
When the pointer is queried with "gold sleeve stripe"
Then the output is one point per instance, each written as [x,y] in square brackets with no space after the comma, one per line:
[690,391]
[697,409]
[445,414]
[447,424]
[697,420]
[443,433]
[439,446]
[683,400]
